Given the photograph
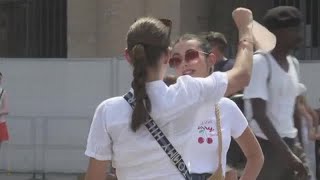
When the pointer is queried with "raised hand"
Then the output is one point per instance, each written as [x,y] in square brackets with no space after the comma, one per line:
[243,18]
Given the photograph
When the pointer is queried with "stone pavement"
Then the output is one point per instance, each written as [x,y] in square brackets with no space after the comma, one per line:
[5,176]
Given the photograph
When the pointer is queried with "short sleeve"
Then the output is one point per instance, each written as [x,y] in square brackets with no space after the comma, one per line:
[99,144]
[211,88]
[238,123]
[214,87]
[301,89]
[257,87]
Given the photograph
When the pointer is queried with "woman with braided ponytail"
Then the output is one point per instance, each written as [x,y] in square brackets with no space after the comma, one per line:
[144,132]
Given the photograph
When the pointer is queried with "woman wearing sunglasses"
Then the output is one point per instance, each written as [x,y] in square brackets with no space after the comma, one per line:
[119,131]
[191,55]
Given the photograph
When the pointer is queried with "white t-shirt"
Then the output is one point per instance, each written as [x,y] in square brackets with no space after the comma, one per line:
[279,93]
[2,104]
[302,89]
[136,155]
[201,154]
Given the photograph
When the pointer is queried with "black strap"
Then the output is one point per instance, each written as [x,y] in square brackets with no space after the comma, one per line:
[163,141]
[1,93]
[317,153]
[203,176]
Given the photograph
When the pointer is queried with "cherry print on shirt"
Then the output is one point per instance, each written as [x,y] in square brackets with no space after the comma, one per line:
[206,133]
[200,140]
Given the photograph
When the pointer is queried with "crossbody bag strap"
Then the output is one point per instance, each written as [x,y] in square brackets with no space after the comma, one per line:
[217,112]
[1,95]
[2,91]
[267,58]
[218,174]
[162,140]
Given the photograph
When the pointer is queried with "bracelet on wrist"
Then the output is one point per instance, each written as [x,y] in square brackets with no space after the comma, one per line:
[246,39]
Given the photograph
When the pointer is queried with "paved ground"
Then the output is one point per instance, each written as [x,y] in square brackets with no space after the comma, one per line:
[4,176]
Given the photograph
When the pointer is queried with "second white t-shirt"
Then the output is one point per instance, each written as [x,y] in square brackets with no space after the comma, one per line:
[201,154]
[279,93]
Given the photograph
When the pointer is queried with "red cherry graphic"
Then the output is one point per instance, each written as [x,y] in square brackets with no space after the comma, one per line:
[200,140]
[209,140]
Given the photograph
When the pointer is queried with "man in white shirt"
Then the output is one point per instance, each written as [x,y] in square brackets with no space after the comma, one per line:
[271,96]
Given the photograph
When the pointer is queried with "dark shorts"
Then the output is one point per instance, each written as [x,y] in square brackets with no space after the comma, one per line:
[274,167]
[235,157]
[203,176]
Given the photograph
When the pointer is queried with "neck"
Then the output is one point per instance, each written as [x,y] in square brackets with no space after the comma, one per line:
[280,53]
[153,75]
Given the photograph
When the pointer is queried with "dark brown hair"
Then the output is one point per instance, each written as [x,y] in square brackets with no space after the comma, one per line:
[216,39]
[170,79]
[147,39]
[204,44]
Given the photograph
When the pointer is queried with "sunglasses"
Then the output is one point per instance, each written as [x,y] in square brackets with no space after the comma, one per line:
[190,56]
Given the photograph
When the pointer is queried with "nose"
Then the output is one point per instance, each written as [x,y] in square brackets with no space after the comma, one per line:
[184,63]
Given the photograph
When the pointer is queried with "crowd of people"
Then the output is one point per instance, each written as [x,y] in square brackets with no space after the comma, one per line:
[216,118]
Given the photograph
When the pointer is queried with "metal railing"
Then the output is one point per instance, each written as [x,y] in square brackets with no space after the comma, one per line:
[40,145]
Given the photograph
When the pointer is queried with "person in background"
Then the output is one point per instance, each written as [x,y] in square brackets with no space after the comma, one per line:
[307,120]
[219,45]
[271,98]
[4,111]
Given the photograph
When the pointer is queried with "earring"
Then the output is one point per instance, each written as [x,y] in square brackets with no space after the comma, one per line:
[210,70]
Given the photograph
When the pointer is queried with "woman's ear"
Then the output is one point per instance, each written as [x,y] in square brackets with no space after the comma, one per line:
[212,59]
[126,54]
[167,55]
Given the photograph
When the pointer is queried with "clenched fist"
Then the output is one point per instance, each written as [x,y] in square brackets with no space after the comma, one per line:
[243,18]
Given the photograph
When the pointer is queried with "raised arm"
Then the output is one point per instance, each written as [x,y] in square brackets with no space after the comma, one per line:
[239,75]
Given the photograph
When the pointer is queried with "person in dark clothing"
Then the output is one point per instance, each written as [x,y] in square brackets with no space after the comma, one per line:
[219,45]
